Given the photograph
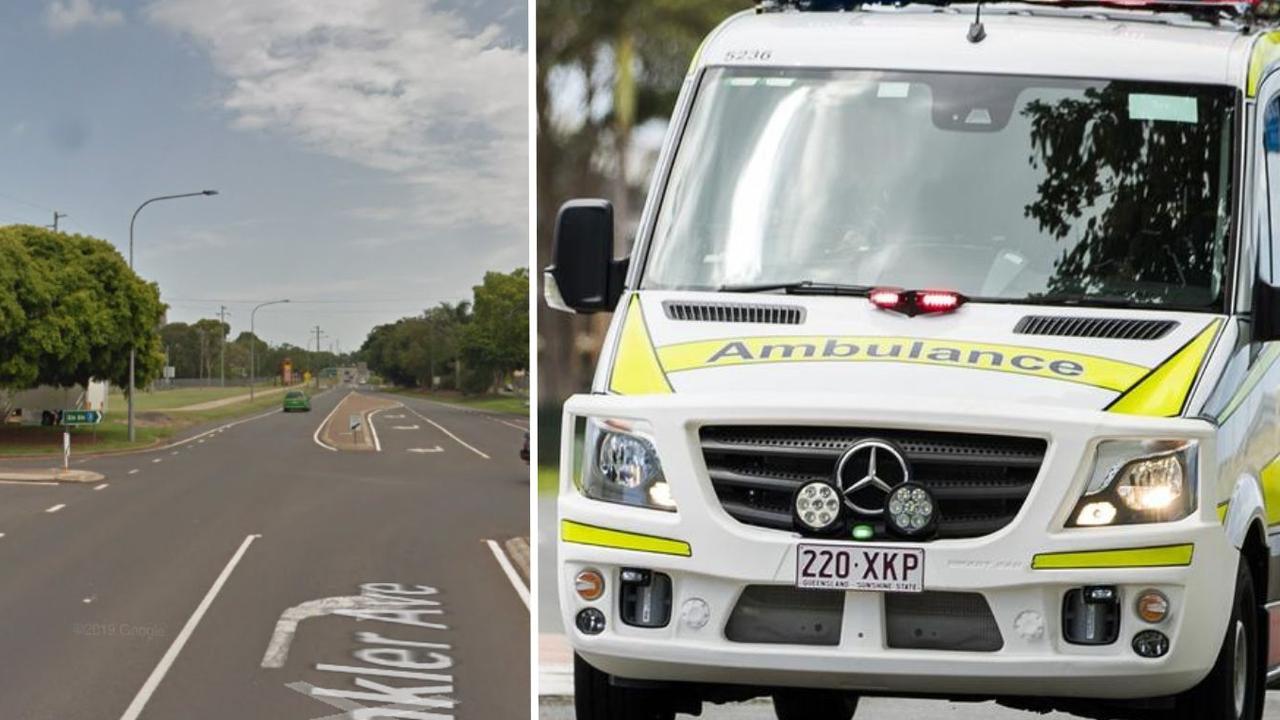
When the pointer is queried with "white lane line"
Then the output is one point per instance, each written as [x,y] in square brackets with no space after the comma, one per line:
[427,451]
[406,427]
[325,421]
[102,486]
[373,430]
[133,471]
[175,452]
[157,460]
[1,535]
[509,424]
[56,508]
[215,431]
[442,429]
[149,687]
[510,570]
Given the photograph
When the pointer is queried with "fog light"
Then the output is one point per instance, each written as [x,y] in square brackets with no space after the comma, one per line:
[910,510]
[1153,606]
[695,613]
[1096,513]
[590,621]
[817,506]
[589,585]
[1151,644]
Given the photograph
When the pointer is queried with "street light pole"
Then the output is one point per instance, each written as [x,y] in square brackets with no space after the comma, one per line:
[253,344]
[133,350]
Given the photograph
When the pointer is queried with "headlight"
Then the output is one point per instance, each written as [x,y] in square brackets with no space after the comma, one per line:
[620,465]
[1136,482]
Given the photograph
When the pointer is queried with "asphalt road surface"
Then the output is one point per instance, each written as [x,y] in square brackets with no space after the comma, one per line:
[252,573]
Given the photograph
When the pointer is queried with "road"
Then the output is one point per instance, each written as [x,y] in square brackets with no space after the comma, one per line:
[252,573]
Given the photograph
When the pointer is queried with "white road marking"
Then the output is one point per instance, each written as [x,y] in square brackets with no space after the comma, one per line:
[24,482]
[102,486]
[149,687]
[442,429]
[510,424]
[133,471]
[1,535]
[406,427]
[216,431]
[158,460]
[395,417]
[373,430]
[201,441]
[325,421]
[282,637]
[510,570]
[56,508]
[424,451]
[88,600]
[175,452]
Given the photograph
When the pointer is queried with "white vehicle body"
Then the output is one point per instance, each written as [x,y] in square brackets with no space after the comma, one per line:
[848,364]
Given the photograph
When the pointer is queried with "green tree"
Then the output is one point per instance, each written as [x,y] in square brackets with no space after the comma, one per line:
[71,310]
[497,339]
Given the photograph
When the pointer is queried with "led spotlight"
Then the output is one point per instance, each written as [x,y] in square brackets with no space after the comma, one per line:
[817,506]
[910,510]
[1151,644]
[590,621]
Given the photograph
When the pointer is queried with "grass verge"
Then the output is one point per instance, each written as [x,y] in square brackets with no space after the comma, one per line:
[507,404]
[112,435]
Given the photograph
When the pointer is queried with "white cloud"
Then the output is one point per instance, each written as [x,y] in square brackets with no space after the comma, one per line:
[67,15]
[396,85]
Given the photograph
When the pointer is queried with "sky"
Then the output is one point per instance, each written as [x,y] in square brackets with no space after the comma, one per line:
[371,156]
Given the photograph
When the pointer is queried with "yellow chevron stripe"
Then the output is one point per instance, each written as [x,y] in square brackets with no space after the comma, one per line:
[577,533]
[1164,392]
[1166,556]
[635,366]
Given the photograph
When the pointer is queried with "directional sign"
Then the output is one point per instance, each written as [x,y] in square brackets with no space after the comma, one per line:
[353,421]
[81,417]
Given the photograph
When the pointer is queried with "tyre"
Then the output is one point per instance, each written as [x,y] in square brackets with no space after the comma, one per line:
[595,698]
[814,705]
[1234,688]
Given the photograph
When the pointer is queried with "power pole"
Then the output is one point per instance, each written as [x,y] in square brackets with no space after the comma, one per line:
[222,315]
[316,370]
[56,217]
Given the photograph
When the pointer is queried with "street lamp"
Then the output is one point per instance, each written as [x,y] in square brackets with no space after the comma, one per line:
[253,343]
[132,350]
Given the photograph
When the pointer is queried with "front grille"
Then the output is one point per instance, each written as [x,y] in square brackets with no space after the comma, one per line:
[960,622]
[1095,327]
[979,481]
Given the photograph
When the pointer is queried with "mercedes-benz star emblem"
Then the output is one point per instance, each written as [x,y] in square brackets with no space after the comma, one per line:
[868,472]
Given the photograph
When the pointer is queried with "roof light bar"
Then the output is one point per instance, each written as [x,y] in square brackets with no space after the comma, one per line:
[916,302]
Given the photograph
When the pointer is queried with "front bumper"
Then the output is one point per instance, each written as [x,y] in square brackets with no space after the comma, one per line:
[727,556]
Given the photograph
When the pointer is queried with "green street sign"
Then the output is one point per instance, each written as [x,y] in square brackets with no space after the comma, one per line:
[81,417]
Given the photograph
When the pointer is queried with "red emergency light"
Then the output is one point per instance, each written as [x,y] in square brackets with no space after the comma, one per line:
[916,302]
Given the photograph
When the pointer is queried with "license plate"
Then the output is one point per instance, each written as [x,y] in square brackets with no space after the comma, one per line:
[882,569]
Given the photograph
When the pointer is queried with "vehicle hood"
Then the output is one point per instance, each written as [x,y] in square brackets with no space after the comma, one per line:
[684,342]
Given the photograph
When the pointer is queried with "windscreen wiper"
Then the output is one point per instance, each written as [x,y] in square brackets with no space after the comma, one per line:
[1078,300]
[802,287]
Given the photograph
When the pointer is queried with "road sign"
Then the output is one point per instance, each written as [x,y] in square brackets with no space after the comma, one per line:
[81,417]
[354,422]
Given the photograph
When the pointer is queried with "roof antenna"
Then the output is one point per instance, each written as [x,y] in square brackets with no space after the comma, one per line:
[977,31]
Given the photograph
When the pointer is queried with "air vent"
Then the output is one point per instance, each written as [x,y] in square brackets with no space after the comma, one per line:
[735,313]
[1093,327]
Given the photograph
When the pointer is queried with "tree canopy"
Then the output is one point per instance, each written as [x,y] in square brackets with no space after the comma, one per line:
[70,310]
[458,345]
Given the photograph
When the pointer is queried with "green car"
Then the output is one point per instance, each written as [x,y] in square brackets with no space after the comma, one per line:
[296,400]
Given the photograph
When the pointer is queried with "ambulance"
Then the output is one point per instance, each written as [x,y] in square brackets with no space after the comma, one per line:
[943,365]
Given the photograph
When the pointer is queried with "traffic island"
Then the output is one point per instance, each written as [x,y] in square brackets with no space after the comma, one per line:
[348,428]
[51,475]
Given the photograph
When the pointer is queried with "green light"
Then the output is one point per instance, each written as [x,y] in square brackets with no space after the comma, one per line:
[862,532]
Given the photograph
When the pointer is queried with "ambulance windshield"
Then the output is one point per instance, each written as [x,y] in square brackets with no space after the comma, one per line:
[1003,188]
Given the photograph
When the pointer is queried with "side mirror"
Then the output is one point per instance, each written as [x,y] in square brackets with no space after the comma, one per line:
[1266,312]
[583,276]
